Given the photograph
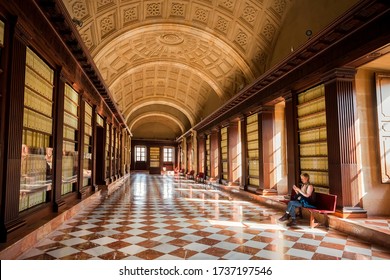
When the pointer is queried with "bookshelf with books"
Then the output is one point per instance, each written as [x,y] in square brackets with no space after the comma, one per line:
[2,31]
[224,154]
[118,154]
[252,135]
[2,34]
[208,157]
[87,158]
[154,160]
[126,153]
[113,154]
[99,120]
[70,142]
[100,151]
[313,147]
[37,149]
[108,152]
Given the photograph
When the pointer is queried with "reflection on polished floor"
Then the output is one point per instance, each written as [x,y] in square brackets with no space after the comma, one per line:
[163,217]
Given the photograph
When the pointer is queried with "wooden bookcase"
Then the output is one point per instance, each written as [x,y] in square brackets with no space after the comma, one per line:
[70,144]
[2,31]
[313,148]
[252,134]
[2,34]
[87,159]
[208,157]
[112,160]
[99,120]
[224,153]
[154,156]
[37,149]
[118,154]
[108,154]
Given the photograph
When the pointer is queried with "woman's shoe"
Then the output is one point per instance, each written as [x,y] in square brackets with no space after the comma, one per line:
[293,222]
[284,217]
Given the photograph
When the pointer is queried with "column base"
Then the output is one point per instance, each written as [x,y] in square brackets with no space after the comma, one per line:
[102,187]
[57,205]
[252,188]
[267,192]
[7,228]
[351,212]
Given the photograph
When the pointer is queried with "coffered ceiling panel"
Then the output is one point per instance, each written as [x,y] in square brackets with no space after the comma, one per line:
[178,53]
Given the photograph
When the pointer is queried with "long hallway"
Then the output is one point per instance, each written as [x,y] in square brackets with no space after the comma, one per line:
[163,217]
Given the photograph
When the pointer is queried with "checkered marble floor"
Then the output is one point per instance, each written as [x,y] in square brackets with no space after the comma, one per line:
[163,217]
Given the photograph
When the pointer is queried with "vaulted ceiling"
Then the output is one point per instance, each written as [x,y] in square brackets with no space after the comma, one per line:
[179,59]
[170,63]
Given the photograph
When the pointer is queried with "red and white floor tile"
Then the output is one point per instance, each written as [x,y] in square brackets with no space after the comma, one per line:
[162,217]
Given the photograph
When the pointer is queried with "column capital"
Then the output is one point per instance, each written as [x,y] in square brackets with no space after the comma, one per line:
[233,123]
[201,135]
[344,74]
[265,109]
[215,129]
[242,117]
[288,95]
[225,124]
[22,34]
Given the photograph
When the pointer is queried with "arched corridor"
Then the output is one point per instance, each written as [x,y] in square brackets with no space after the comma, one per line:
[166,217]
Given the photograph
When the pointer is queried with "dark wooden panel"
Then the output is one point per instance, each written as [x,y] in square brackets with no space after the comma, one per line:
[244,155]
[214,153]
[292,140]
[341,119]
[58,95]
[100,162]
[201,154]
[266,163]
[13,139]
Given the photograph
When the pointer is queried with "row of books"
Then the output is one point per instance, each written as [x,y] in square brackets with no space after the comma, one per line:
[313,148]
[2,31]
[35,82]
[37,102]
[39,66]
[37,121]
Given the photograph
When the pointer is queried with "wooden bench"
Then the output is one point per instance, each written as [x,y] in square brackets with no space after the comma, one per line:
[200,177]
[325,204]
[190,175]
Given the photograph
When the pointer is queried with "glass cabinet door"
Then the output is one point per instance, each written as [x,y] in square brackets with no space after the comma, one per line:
[224,153]
[37,145]
[87,157]
[208,157]
[70,143]
[252,131]
[313,147]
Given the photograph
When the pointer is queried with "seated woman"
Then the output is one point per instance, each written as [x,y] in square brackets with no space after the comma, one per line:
[303,198]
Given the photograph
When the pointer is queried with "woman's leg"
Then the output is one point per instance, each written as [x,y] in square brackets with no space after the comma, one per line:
[291,208]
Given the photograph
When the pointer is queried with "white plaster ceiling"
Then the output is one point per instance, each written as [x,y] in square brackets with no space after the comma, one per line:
[187,55]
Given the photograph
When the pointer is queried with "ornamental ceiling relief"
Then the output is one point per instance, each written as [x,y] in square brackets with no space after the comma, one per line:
[182,59]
